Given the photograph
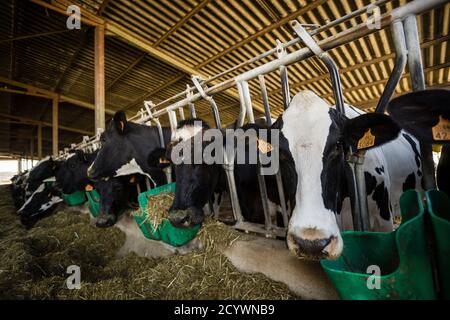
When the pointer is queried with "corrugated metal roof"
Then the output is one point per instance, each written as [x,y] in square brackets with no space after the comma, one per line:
[209,37]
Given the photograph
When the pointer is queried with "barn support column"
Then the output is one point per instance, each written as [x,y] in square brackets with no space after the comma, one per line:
[55,126]
[32,149]
[39,142]
[19,165]
[99,78]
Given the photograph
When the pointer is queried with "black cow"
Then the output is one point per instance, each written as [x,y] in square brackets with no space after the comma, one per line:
[72,173]
[116,195]
[426,114]
[196,183]
[44,169]
[125,150]
[41,203]
[18,184]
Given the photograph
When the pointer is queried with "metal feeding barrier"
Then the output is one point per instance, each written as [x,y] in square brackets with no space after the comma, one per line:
[402,22]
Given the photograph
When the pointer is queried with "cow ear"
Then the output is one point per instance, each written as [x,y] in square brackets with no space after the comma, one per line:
[369,131]
[425,114]
[157,158]
[120,121]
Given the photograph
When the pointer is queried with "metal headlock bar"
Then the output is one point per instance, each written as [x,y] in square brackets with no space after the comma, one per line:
[405,14]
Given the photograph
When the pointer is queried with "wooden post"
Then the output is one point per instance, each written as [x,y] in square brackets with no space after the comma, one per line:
[39,141]
[19,165]
[99,77]
[55,126]
[32,149]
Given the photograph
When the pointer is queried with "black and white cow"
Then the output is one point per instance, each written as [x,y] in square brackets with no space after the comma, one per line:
[18,184]
[40,204]
[197,183]
[125,148]
[72,172]
[313,135]
[44,169]
[419,113]
[116,194]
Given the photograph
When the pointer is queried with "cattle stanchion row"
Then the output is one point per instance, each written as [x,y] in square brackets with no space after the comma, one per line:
[398,18]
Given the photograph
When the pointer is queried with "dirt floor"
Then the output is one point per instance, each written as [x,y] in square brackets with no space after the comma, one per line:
[33,263]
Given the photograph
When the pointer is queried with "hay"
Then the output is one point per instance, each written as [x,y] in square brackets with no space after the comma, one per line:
[33,263]
[157,208]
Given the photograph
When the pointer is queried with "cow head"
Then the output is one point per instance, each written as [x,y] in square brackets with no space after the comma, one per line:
[114,194]
[425,114]
[195,181]
[44,169]
[72,174]
[116,149]
[315,136]
[124,149]
[40,203]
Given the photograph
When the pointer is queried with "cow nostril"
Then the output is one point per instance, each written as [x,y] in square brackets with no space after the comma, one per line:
[311,247]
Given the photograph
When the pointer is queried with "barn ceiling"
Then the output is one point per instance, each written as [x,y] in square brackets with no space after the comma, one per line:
[159,44]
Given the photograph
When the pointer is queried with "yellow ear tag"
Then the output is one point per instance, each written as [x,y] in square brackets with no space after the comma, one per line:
[264,146]
[89,187]
[162,160]
[441,131]
[367,140]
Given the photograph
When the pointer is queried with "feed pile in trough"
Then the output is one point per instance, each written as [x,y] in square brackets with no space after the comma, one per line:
[157,208]
[33,263]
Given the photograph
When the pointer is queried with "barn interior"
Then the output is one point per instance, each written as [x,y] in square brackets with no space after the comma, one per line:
[151,50]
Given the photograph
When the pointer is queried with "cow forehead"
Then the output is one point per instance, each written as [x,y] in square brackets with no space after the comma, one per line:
[307,121]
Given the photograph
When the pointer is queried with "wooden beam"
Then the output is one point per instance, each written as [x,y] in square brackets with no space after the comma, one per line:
[85,18]
[181,22]
[102,8]
[99,77]
[27,93]
[52,94]
[39,141]
[35,35]
[55,121]
[29,121]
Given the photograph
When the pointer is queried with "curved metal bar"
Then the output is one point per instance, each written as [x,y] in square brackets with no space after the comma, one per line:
[401,56]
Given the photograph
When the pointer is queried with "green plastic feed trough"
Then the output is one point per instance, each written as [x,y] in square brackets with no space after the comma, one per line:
[165,231]
[402,257]
[94,202]
[74,199]
[439,209]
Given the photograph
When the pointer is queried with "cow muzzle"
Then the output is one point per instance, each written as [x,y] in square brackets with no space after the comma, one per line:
[106,220]
[315,247]
[185,218]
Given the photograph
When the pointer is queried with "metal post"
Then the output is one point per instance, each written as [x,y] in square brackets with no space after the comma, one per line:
[327,60]
[242,110]
[190,104]
[418,83]
[281,53]
[210,99]
[279,179]
[245,93]
[401,56]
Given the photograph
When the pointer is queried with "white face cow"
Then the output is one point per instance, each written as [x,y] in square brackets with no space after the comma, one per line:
[314,136]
